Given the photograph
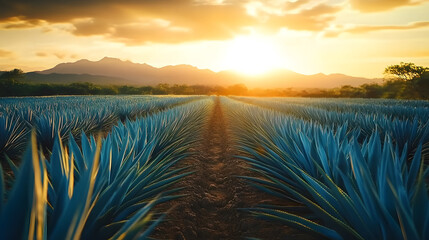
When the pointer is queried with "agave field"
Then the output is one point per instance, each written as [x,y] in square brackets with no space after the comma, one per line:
[204,167]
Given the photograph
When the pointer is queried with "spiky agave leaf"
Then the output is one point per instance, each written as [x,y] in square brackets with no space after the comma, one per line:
[13,134]
[395,119]
[136,169]
[108,186]
[360,191]
[23,216]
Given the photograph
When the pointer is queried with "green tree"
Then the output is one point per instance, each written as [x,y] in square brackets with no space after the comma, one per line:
[422,86]
[405,71]
[12,76]
[348,91]
[10,82]
[372,90]
[409,81]
[237,89]
[161,89]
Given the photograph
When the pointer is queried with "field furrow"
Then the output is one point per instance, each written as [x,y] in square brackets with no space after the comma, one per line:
[215,194]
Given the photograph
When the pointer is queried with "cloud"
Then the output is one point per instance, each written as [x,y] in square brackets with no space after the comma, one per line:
[166,21]
[57,54]
[295,5]
[367,29]
[5,53]
[407,53]
[41,54]
[90,26]
[423,53]
[17,22]
[316,18]
[381,5]
[60,55]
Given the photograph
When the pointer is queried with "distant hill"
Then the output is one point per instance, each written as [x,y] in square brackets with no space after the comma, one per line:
[62,78]
[289,79]
[139,74]
[114,71]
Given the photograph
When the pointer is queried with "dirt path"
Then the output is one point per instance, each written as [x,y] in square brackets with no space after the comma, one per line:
[214,194]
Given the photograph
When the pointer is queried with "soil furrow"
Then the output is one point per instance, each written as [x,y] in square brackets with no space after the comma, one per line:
[214,194]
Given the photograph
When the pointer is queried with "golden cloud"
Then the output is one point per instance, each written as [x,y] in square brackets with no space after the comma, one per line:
[316,18]
[410,53]
[57,54]
[17,22]
[381,5]
[367,29]
[41,54]
[5,53]
[166,21]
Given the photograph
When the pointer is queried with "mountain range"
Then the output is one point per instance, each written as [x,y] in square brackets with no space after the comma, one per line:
[114,71]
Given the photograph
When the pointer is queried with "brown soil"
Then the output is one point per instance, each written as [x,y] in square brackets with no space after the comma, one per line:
[211,209]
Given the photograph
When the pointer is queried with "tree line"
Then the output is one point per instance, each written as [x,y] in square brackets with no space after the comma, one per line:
[402,81]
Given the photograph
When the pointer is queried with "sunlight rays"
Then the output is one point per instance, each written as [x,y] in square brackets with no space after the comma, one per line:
[252,55]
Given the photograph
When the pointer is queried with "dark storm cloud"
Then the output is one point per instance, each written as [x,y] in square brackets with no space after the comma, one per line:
[166,21]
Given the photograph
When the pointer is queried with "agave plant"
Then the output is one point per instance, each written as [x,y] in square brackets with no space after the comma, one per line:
[104,188]
[393,109]
[355,190]
[401,124]
[13,134]
[28,214]
[51,116]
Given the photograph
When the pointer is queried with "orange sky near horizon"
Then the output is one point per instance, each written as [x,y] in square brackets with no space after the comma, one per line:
[354,37]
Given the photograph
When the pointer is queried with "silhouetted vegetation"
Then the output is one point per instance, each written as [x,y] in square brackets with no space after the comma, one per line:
[403,81]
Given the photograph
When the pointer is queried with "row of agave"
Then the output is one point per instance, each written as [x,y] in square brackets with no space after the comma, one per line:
[52,116]
[334,185]
[106,188]
[391,108]
[400,126]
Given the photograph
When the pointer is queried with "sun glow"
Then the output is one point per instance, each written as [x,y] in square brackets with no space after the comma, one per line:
[252,55]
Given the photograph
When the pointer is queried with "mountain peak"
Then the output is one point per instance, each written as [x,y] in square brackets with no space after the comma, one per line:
[79,61]
[110,59]
[144,74]
[180,66]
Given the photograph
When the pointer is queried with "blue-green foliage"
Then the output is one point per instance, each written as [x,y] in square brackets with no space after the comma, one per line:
[403,109]
[403,123]
[52,116]
[103,188]
[13,134]
[370,188]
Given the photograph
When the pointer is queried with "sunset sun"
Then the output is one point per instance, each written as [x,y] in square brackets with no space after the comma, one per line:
[252,55]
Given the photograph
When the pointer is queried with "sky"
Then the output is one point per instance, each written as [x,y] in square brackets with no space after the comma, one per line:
[353,37]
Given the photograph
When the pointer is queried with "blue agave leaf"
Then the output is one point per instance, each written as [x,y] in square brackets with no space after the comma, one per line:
[360,185]
[414,168]
[421,207]
[136,220]
[71,221]
[12,166]
[23,214]
[1,188]
[297,221]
